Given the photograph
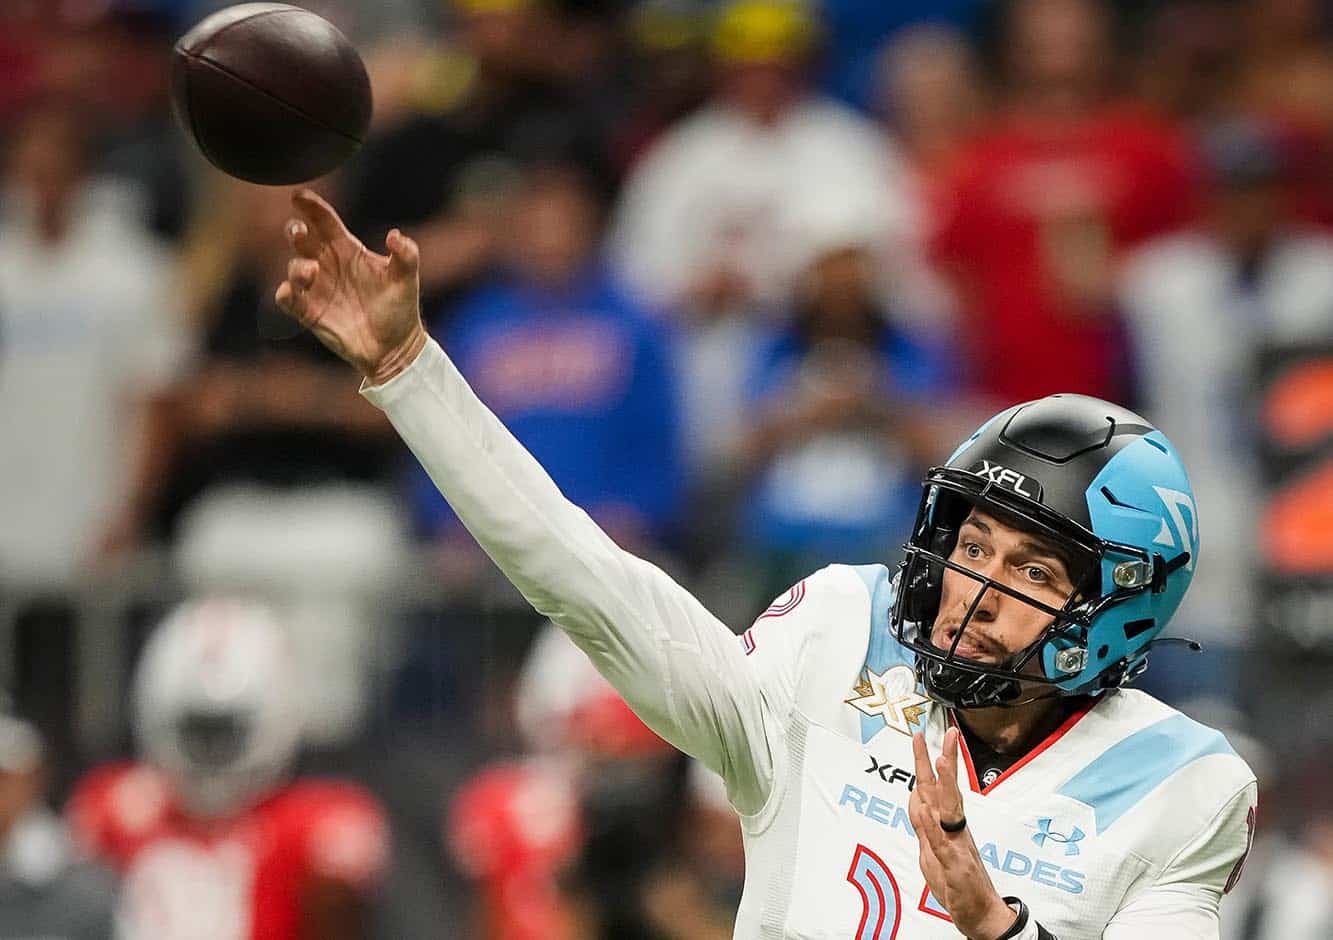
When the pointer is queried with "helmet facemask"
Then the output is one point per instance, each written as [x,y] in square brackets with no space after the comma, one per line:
[1059,655]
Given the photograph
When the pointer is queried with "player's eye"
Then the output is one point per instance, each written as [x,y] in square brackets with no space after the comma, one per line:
[972,550]
[1037,574]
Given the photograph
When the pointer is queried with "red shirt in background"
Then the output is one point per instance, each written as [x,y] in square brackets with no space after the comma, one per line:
[242,877]
[1032,226]
[513,829]
[21,48]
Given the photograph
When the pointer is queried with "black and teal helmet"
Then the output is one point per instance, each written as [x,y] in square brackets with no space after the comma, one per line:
[1105,486]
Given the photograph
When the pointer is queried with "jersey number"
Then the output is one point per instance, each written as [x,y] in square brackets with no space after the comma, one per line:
[881,905]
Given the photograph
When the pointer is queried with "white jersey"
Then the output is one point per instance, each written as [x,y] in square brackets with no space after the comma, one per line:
[1127,823]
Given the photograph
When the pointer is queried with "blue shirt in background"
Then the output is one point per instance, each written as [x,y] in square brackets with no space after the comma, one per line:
[856,31]
[842,492]
[584,380]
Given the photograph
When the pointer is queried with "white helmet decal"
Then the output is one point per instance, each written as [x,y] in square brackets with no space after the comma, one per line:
[1185,537]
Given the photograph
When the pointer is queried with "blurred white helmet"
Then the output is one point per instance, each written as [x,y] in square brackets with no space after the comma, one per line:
[214,706]
[564,704]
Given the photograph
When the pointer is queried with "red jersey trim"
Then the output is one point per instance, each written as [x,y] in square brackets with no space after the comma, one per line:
[786,604]
[1027,758]
[921,906]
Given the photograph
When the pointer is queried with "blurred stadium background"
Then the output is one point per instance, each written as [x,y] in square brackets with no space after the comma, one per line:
[736,274]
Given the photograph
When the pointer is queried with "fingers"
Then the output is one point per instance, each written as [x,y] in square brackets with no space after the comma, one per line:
[916,812]
[323,220]
[920,809]
[290,301]
[926,822]
[947,765]
[301,272]
[404,256]
[925,776]
[298,236]
[935,797]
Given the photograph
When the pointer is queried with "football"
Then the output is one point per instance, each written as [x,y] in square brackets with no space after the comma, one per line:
[270,93]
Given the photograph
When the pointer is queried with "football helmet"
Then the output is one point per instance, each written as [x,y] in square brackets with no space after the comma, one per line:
[213,704]
[1103,486]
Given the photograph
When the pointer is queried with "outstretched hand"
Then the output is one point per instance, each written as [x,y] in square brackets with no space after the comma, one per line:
[950,861]
[363,306]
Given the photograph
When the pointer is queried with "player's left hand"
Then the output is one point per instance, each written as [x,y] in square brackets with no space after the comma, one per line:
[950,860]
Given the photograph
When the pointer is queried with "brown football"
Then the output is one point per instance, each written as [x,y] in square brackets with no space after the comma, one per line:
[271,93]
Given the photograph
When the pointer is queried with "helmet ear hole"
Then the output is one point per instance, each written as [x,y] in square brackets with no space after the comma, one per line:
[1137,627]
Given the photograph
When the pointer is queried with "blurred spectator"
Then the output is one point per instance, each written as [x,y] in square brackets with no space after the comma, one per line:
[45,890]
[839,433]
[1293,902]
[932,98]
[1201,307]
[46,56]
[473,108]
[19,70]
[693,894]
[1190,57]
[573,367]
[137,137]
[669,74]
[208,836]
[1045,203]
[857,30]
[557,841]
[89,340]
[582,53]
[1286,75]
[705,221]
[282,481]
[107,62]
[712,221]
[1290,865]
[931,95]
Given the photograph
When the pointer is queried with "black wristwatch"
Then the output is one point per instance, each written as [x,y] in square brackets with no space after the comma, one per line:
[1020,922]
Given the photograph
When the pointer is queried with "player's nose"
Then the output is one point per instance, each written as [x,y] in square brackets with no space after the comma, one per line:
[984,608]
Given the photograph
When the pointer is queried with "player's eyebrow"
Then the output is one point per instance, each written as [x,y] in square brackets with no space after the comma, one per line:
[976,524]
[1039,551]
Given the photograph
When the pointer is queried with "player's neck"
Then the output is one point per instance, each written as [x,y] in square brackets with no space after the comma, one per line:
[1015,731]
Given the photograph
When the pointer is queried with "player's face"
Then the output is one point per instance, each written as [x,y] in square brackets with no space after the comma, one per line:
[1001,625]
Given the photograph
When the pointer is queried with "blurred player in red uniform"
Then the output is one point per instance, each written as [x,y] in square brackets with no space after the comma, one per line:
[519,828]
[1044,203]
[211,841]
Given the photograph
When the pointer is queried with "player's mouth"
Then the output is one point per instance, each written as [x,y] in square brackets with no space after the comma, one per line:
[988,653]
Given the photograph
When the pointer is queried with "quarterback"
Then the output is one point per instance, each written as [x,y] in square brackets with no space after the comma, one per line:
[1048,554]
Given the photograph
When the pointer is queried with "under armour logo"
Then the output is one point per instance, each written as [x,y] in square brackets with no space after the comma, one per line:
[1044,835]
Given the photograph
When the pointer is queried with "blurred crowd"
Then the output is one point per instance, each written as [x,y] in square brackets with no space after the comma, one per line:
[735,273]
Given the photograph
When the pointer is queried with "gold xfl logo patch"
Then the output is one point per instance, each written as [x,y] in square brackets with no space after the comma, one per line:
[892,696]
